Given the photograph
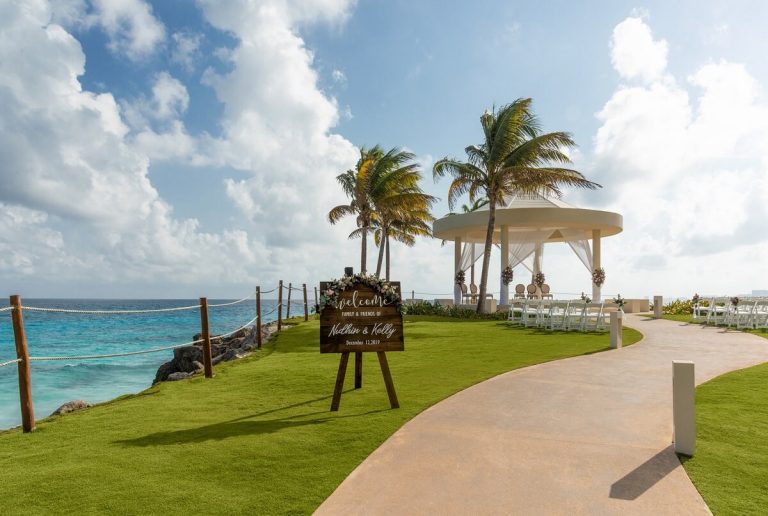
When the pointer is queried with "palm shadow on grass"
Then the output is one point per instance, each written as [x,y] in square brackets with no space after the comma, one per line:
[242,426]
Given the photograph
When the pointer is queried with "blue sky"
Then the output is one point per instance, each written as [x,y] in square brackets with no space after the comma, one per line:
[196,153]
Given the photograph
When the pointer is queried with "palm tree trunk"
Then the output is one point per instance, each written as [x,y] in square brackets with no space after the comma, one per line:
[364,251]
[381,253]
[487,254]
[387,240]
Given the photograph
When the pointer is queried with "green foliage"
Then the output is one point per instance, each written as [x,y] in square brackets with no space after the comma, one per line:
[426,308]
[730,468]
[678,307]
[258,438]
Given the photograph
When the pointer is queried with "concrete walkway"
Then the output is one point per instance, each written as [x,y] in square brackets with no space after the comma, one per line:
[585,435]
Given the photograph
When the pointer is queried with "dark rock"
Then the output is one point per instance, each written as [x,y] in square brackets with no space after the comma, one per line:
[178,376]
[71,406]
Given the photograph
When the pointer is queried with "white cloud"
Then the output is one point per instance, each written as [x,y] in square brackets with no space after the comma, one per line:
[277,123]
[634,52]
[186,49]
[686,163]
[77,202]
[339,77]
[132,28]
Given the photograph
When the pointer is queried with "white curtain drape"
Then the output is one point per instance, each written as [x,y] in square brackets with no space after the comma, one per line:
[579,245]
[470,253]
[522,247]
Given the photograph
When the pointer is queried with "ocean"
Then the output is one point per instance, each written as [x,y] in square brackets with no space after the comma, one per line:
[64,334]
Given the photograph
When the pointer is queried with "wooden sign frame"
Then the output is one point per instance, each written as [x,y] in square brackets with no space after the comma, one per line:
[363,320]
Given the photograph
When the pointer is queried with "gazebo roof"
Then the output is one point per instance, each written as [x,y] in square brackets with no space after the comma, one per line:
[532,213]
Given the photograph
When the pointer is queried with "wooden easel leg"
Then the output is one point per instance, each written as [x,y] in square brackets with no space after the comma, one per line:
[388,379]
[339,382]
[358,369]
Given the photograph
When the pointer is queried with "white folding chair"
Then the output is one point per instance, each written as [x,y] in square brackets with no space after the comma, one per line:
[557,315]
[745,314]
[516,309]
[594,319]
[545,306]
[760,314]
[531,312]
[574,316]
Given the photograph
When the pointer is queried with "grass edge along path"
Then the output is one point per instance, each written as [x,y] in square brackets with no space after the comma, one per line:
[730,466]
[258,438]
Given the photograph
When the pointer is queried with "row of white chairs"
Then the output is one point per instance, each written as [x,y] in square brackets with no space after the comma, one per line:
[563,315]
[749,313]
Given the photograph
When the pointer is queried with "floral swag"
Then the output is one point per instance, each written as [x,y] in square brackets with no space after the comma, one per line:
[459,279]
[539,279]
[598,277]
[507,275]
[331,295]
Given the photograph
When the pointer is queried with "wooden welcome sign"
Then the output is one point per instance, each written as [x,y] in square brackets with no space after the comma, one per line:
[361,314]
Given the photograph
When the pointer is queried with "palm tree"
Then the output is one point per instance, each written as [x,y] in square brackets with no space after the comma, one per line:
[515,157]
[403,224]
[372,187]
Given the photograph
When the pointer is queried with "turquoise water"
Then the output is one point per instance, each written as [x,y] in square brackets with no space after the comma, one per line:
[60,334]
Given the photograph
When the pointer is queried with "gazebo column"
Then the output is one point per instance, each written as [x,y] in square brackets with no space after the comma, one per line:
[595,262]
[456,269]
[504,289]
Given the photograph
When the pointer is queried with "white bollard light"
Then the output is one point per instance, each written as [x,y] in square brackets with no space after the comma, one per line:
[683,406]
[658,303]
[616,326]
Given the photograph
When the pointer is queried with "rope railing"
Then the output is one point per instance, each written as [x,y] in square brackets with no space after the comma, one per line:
[108,312]
[233,302]
[24,360]
[140,352]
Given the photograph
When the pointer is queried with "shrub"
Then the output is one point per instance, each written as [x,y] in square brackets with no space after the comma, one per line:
[678,307]
[426,308]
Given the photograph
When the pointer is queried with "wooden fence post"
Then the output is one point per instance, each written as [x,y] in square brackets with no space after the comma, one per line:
[288,305]
[207,359]
[258,317]
[306,307]
[280,305]
[25,375]
[316,301]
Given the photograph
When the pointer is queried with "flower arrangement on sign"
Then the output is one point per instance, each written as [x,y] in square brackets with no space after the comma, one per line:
[598,277]
[585,298]
[695,299]
[539,279]
[459,278]
[330,296]
[735,301]
[507,275]
[620,301]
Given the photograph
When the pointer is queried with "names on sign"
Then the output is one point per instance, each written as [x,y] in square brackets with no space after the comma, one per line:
[363,320]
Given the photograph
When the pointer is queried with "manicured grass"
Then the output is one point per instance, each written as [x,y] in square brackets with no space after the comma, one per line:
[258,438]
[730,467]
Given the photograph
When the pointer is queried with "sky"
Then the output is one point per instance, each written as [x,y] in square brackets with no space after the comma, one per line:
[180,148]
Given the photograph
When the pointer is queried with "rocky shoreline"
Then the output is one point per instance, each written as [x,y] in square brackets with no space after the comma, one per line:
[188,361]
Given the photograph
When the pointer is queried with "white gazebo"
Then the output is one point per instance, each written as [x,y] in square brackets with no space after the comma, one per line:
[521,230]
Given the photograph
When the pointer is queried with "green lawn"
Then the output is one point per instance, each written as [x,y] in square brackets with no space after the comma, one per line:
[258,438]
[730,467]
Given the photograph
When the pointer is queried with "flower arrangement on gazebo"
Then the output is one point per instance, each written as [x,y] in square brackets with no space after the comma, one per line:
[598,277]
[507,275]
[539,279]
[459,279]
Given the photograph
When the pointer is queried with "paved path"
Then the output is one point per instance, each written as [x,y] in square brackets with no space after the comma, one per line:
[585,435]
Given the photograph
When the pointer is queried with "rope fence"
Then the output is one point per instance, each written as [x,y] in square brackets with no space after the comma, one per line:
[23,359]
